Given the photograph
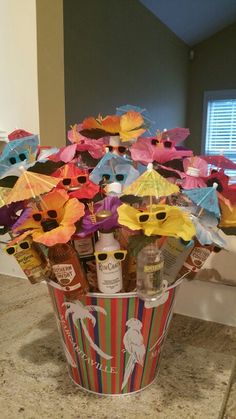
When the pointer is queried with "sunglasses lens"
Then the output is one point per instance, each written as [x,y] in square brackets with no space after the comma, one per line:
[119,178]
[22,156]
[109,147]
[119,255]
[12,160]
[102,256]
[122,149]
[81,179]
[24,245]
[161,215]
[37,217]
[143,218]
[167,144]
[10,250]
[52,214]
[106,176]
[154,141]
[66,181]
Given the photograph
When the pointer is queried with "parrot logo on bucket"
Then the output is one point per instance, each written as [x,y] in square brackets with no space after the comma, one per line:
[80,312]
[133,342]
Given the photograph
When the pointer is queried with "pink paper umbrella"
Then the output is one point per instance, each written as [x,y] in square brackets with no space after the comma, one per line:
[175,134]
[220,161]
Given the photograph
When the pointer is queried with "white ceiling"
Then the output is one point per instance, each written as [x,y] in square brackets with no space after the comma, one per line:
[193,20]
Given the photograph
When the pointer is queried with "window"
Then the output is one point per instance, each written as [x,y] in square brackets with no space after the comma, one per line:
[219,125]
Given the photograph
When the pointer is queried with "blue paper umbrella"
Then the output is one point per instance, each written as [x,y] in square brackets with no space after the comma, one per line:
[18,153]
[107,166]
[208,235]
[205,198]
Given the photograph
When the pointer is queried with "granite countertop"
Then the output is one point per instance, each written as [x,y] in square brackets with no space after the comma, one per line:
[194,380]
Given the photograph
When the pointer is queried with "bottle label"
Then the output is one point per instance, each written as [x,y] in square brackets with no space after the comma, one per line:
[199,256]
[64,273]
[109,276]
[154,267]
[84,246]
[175,254]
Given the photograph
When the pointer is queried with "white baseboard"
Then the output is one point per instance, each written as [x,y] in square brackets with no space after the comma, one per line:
[207,301]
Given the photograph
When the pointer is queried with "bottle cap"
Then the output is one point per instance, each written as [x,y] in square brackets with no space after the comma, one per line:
[103,214]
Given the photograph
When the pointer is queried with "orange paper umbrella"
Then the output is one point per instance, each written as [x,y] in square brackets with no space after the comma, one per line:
[30,185]
[150,183]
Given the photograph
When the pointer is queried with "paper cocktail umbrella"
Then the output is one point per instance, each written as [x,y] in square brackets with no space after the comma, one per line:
[30,185]
[220,161]
[108,162]
[205,198]
[175,134]
[16,153]
[150,183]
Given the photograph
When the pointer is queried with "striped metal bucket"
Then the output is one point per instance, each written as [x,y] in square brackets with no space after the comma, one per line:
[112,343]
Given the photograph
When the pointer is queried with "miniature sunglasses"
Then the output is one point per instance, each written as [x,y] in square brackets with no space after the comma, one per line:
[117,255]
[11,250]
[19,158]
[166,143]
[81,179]
[121,149]
[144,217]
[37,216]
[119,177]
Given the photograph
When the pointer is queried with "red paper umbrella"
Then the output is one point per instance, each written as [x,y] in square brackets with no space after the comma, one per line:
[220,161]
[176,134]
[17,134]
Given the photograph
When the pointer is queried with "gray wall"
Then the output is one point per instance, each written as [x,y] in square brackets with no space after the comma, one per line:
[117,52]
[213,68]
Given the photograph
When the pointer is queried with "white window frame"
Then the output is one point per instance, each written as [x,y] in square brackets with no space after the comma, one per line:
[213,95]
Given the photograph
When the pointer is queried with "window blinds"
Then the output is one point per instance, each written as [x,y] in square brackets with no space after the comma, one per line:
[221,129]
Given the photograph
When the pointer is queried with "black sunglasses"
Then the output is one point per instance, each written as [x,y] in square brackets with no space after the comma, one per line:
[81,179]
[143,218]
[118,177]
[166,143]
[38,217]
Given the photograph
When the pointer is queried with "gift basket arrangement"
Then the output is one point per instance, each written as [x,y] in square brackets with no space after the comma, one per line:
[113,222]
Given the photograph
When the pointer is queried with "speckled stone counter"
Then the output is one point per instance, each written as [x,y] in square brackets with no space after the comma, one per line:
[193,380]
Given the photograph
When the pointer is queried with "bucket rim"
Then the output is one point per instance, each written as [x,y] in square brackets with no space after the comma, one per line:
[132,294]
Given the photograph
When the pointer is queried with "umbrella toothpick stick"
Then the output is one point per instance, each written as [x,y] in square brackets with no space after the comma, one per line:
[204,197]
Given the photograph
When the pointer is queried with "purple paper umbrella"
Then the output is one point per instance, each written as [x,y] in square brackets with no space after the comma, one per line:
[90,224]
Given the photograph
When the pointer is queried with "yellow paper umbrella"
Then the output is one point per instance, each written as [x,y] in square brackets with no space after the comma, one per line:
[150,183]
[30,185]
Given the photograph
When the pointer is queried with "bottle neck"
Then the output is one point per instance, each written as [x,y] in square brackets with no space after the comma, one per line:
[106,238]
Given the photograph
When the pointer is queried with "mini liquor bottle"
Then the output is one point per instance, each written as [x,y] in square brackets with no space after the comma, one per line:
[108,259]
[150,264]
[68,271]
[31,259]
